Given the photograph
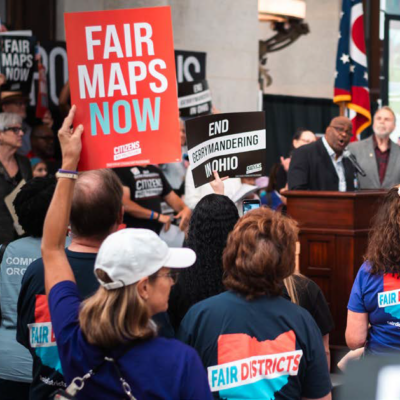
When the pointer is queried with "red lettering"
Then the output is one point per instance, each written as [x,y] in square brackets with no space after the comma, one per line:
[398,297]
[253,368]
[244,370]
[289,358]
[274,366]
[52,337]
[268,364]
[279,363]
[260,363]
[296,363]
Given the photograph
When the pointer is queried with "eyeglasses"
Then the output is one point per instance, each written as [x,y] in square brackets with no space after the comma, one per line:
[14,129]
[341,130]
[46,138]
[172,274]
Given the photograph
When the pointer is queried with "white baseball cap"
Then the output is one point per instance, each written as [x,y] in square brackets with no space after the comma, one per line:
[132,254]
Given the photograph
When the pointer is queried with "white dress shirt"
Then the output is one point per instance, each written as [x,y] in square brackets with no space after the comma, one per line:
[338,164]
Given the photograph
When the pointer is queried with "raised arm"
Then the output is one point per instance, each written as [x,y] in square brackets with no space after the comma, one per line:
[56,265]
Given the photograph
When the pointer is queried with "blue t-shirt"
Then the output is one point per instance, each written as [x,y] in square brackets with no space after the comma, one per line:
[267,348]
[156,368]
[379,296]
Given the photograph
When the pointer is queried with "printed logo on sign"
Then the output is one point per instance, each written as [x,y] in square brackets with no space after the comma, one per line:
[246,365]
[127,150]
[253,168]
[41,335]
[254,369]
[388,299]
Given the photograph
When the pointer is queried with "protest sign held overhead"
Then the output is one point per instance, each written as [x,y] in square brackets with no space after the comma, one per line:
[232,144]
[122,78]
[194,99]
[17,62]
[190,66]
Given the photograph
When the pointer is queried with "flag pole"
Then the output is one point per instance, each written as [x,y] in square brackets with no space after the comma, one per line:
[342,108]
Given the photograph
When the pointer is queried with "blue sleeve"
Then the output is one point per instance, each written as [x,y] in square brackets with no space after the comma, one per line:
[356,301]
[317,382]
[194,383]
[64,303]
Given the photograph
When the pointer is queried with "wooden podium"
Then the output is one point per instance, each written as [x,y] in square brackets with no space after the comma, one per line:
[333,238]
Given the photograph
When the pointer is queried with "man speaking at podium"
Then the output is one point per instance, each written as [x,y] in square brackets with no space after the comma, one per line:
[321,165]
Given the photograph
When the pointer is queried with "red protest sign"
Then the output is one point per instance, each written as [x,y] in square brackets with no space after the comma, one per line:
[122,78]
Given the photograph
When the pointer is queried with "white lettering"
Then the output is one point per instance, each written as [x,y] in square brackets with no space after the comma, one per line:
[90,42]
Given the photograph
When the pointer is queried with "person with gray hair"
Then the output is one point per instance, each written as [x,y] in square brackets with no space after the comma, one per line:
[13,169]
[377,155]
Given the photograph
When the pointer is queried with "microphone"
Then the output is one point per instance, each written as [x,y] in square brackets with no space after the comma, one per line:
[354,161]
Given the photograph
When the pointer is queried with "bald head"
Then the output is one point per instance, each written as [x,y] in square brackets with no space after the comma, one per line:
[338,134]
[97,204]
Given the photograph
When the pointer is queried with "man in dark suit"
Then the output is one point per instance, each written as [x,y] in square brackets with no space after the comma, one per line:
[321,165]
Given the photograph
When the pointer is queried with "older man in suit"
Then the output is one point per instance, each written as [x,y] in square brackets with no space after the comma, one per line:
[378,156]
[321,165]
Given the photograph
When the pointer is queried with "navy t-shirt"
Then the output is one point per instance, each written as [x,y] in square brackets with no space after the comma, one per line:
[267,348]
[379,296]
[155,369]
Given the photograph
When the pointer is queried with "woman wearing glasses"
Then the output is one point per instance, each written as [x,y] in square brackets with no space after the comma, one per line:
[110,339]
[13,169]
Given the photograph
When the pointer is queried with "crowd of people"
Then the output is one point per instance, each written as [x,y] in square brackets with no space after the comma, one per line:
[94,304]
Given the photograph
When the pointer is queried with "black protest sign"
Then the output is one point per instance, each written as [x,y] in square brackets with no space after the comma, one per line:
[232,144]
[190,66]
[17,62]
[194,99]
[54,59]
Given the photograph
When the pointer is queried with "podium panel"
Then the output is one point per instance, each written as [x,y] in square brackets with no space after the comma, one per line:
[333,236]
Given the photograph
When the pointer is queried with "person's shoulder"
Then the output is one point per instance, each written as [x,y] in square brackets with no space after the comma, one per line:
[306,285]
[394,147]
[292,310]
[365,268]
[360,144]
[17,244]
[212,305]
[173,347]
[22,159]
[307,149]
[35,269]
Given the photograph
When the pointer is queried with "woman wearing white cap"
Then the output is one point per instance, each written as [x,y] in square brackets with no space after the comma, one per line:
[109,340]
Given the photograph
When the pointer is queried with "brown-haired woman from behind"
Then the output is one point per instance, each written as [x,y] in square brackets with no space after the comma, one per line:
[255,343]
[374,298]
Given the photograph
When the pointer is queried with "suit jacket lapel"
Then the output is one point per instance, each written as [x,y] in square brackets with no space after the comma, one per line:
[371,167]
[323,153]
[349,174]
[393,162]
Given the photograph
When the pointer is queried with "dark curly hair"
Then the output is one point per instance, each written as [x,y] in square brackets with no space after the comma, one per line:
[212,220]
[383,252]
[260,253]
[32,203]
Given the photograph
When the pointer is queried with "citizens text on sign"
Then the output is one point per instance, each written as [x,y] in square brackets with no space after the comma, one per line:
[122,77]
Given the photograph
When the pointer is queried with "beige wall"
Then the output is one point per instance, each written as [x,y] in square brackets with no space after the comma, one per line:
[306,68]
[226,30]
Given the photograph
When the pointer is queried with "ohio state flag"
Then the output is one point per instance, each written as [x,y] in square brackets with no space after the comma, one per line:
[351,76]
